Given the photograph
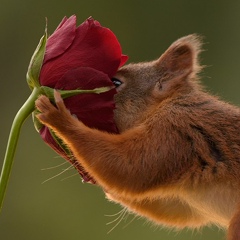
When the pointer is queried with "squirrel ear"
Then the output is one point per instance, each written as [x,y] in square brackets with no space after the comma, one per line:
[181,58]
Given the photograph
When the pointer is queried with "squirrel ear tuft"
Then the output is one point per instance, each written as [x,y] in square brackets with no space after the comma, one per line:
[181,58]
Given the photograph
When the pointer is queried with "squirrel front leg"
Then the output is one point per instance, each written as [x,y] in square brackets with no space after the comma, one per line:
[119,162]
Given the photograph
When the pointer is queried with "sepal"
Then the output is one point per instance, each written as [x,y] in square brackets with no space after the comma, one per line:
[37,124]
[49,92]
[36,62]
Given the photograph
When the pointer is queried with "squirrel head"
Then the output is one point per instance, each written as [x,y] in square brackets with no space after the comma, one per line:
[143,86]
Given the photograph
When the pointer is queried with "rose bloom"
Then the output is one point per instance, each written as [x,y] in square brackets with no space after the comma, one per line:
[83,57]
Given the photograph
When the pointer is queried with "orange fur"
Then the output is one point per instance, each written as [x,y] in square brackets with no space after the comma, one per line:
[176,160]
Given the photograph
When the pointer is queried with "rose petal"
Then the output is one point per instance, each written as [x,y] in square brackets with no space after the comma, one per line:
[61,39]
[94,110]
[47,137]
[124,59]
[93,46]
[62,22]
[100,49]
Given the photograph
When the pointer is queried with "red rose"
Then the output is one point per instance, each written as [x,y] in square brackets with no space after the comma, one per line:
[84,57]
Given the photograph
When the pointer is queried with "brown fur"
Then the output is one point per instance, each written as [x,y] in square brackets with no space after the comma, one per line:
[176,160]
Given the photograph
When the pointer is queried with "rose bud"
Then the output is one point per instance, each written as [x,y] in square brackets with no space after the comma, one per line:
[83,57]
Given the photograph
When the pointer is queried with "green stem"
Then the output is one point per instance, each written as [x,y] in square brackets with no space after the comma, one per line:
[22,114]
[20,117]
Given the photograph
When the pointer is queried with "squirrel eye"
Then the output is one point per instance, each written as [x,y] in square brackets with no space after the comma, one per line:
[116,82]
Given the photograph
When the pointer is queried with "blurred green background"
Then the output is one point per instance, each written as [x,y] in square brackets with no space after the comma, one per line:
[62,208]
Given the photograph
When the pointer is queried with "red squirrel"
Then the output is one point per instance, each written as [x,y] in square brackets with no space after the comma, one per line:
[176,160]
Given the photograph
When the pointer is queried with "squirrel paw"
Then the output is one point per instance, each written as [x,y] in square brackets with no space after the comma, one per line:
[51,115]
